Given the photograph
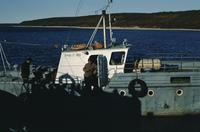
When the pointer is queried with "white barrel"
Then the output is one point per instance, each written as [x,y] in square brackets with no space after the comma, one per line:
[149,64]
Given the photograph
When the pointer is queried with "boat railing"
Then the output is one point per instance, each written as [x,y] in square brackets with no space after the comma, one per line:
[5,64]
[165,64]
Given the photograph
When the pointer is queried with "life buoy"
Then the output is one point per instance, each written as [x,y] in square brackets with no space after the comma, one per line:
[133,91]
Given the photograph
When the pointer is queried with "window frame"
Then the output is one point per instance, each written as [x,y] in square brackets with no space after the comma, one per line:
[122,58]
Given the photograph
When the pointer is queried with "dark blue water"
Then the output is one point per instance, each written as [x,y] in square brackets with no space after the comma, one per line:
[38,43]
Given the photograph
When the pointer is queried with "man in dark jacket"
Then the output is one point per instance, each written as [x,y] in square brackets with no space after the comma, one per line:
[25,73]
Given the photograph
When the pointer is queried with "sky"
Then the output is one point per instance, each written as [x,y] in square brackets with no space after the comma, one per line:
[16,11]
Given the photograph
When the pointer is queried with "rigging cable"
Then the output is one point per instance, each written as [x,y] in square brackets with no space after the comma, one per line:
[76,14]
[94,33]
[78,8]
[4,58]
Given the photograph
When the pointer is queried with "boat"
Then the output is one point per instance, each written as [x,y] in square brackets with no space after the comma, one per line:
[166,85]
[10,76]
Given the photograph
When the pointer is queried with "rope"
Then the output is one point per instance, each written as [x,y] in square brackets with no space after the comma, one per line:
[94,33]
[2,58]
[76,14]
[78,8]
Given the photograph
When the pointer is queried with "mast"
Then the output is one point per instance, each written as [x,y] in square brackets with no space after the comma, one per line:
[103,18]
[110,22]
[104,27]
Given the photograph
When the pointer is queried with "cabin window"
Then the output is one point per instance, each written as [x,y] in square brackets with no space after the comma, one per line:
[180,80]
[117,58]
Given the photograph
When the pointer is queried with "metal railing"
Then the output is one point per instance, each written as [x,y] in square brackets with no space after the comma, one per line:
[167,63]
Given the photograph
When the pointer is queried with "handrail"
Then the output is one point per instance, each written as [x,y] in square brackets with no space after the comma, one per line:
[4,59]
[165,64]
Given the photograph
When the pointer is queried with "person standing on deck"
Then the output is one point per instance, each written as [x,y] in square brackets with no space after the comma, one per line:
[90,70]
[25,73]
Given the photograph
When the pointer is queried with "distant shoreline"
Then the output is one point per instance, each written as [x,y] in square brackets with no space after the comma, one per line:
[115,28]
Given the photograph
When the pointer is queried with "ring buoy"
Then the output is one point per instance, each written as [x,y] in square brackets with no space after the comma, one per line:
[133,91]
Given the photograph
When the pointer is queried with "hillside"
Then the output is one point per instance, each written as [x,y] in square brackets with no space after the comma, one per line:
[179,20]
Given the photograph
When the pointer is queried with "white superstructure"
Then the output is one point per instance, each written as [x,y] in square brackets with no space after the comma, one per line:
[73,61]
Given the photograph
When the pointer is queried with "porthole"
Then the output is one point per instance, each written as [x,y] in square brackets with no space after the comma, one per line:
[179,92]
[150,92]
[122,92]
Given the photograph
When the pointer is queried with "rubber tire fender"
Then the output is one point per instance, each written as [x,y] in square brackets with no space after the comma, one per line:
[134,92]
